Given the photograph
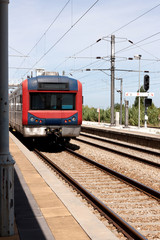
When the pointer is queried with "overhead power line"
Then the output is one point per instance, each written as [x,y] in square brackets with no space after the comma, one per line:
[49,26]
[22,55]
[17,68]
[136,18]
[91,45]
[18,56]
[62,36]
[112,33]
[120,28]
[140,46]
[45,31]
[153,35]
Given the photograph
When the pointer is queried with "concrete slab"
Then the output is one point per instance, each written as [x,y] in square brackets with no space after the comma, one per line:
[66,228]
[55,212]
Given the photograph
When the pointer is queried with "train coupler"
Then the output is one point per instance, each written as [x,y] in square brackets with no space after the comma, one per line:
[56,132]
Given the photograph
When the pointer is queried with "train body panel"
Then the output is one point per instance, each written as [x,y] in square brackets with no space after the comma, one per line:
[47,105]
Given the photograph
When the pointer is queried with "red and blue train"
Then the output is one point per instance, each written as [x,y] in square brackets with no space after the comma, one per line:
[47,106]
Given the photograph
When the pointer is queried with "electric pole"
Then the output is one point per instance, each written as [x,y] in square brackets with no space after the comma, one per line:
[121,94]
[121,103]
[138,57]
[112,77]
[139,101]
[6,161]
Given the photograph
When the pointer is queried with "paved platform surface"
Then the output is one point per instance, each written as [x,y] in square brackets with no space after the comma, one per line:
[47,209]
[151,132]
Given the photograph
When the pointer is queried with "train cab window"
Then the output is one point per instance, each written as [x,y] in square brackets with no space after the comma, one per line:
[37,101]
[68,101]
[52,101]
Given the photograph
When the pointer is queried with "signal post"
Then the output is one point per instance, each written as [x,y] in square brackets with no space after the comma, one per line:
[148,101]
[6,161]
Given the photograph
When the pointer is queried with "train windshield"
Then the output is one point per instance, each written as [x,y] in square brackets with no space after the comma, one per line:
[52,101]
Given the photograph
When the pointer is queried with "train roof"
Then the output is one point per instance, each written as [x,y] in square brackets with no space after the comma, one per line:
[52,83]
[17,91]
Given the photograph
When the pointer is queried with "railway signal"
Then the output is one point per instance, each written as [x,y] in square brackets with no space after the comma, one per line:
[146,82]
[148,102]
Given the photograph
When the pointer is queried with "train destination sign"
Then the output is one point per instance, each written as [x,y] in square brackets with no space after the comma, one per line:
[141,94]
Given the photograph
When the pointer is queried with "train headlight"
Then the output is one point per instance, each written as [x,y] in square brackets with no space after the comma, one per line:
[73,119]
[32,119]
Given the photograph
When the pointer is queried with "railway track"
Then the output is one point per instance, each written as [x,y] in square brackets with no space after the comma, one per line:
[126,145]
[106,189]
[122,152]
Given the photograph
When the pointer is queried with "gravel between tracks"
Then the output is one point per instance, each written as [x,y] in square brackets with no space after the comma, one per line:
[138,171]
[145,174]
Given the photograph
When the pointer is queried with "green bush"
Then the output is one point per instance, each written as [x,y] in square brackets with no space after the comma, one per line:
[90,114]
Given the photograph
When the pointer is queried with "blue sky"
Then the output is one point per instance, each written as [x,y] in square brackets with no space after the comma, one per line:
[60,47]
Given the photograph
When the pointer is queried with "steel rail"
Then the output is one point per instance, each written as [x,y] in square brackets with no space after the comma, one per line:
[147,190]
[128,230]
[122,144]
[139,159]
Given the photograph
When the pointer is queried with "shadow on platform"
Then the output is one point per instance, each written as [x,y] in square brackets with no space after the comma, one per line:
[28,216]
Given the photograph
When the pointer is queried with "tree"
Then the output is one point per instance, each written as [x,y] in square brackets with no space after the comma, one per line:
[90,114]
[153,115]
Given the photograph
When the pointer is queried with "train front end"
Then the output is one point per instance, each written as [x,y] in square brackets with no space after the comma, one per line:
[52,105]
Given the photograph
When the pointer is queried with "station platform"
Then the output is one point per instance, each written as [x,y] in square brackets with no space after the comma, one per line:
[155,132]
[45,208]
[146,137]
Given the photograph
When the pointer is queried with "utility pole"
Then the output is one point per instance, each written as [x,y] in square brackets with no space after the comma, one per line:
[138,57]
[112,77]
[145,117]
[121,93]
[126,113]
[6,161]
[139,101]
[121,103]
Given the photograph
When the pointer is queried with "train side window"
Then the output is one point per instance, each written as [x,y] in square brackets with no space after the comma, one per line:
[20,106]
[21,99]
[12,104]
[18,103]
